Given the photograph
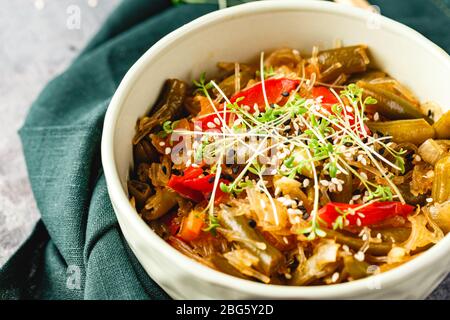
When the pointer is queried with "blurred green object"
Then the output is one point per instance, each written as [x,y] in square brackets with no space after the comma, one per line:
[77,250]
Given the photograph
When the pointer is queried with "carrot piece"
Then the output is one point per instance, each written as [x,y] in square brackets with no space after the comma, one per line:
[192,225]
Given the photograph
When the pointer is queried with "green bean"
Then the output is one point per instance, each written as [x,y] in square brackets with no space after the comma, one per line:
[169,105]
[142,172]
[140,191]
[346,60]
[405,190]
[415,131]
[377,249]
[144,151]
[270,258]
[440,214]
[441,181]
[228,68]
[391,105]
[228,84]
[393,234]
[347,189]
[159,204]
[442,126]
[354,268]
[367,76]
[223,265]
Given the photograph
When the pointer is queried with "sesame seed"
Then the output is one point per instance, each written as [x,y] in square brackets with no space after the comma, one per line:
[211,125]
[376,116]
[429,200]
[335,277]
[277,191]
[358,222]
[262,203]
[217,121]
[363,175]
[359,256]
[417,158]
[167,150]
[305,183]
[349,109]
[162,143]
[294,211]
[325,183]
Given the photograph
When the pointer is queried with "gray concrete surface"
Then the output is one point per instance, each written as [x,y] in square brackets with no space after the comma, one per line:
[38,40]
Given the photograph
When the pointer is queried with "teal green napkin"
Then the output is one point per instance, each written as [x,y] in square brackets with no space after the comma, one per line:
[77,250]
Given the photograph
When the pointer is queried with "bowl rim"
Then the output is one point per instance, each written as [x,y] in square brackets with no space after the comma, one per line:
[121,203]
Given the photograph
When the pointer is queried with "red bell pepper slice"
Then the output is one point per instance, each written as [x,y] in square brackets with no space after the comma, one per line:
[327,96]
[209,122]
[277,90]
[369,215]
[190,185]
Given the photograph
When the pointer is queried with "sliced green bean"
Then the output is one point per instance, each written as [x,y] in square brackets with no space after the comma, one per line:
[415,131]
[140,191]
[346,60]
[223,265]
[391,105]
[376,249]
[270,258]
[159,204]
[441,181]
[169,105]
[442,126]
[354,268]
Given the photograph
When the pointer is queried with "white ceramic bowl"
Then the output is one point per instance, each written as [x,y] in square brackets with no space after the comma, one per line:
[238,34]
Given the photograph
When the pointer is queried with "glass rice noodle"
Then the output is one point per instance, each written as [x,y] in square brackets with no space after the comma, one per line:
[296,170]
